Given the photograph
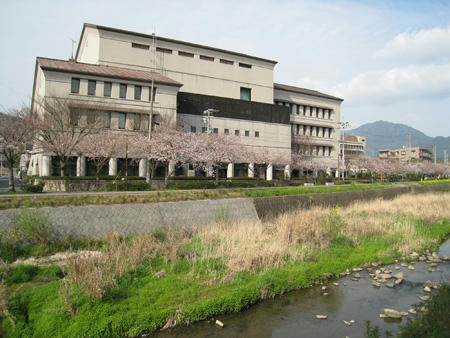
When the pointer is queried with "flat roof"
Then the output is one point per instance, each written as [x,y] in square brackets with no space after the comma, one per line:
[304,91]
[105,71]
[161,38]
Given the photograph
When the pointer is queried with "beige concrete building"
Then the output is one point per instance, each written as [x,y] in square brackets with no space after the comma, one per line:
[414,154]
[112,75]
[353,145]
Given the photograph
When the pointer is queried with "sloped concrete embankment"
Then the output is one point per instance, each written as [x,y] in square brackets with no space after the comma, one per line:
[126,219]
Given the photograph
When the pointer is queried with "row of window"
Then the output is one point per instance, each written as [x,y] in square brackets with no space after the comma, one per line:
[305,130]
[190,55]
[136,121]
[107,89]
[313,150]
[353,147]
[308,111]
[226,131]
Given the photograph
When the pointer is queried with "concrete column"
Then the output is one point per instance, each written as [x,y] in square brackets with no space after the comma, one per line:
[186,169]
[81,166]
[112,167]
[143,167]
[287,172]
[46,165]
[172,168]
[230,170]
[269,172]
[251,170]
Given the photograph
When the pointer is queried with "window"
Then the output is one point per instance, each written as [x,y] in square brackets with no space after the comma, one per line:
[123,91]
[91,87]
[189,55]
[154,93]
[193,129]
[140,46]
[91,117]
[236,132]
[244,65]
[75,88]
[107,119]
[256,133]
[74,117]
[107,89]
[247,133]
[226,62]
[137,92]
[164,50]
[203,130]
[206,58]
[137,121]
[226,131]
[122,120]
[246,94]
[215,130]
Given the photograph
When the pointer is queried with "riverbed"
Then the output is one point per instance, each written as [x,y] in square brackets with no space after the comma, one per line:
[294,314]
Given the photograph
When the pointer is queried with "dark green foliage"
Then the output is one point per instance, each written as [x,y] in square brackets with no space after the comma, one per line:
[132,186]
[26,273]
[90,178]
[33,188]
[435,323]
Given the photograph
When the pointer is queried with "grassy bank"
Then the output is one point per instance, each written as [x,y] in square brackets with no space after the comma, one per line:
[11,201]
[144,283]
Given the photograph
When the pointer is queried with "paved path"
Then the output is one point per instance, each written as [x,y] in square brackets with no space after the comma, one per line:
[4,184]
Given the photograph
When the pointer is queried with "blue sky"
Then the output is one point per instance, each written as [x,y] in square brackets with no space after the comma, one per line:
[389,60]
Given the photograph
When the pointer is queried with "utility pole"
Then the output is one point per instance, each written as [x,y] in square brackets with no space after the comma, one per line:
[409,147]
[434,151]
[343,126]
[152,98]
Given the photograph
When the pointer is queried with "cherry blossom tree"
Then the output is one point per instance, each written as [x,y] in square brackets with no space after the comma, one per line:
[15,132]
[209,151]
[59,128]
[101,147]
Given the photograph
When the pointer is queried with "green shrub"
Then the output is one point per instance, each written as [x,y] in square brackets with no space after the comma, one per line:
[33,188]
[132,186]
[26,273]
[92,178]
[433,323]
[34,227]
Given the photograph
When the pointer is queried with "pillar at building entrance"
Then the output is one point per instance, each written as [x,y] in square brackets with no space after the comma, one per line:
[112,167]
[46,165]
[251,170]
[143,167]
[81,166]
[230,170]
[269,172]
[287,172]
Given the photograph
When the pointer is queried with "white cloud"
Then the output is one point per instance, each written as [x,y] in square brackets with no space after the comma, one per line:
[396,85]
[432,45]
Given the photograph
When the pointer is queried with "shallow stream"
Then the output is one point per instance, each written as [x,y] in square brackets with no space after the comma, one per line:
[294,314]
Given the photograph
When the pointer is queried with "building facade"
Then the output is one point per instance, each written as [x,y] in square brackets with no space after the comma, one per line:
[113,72]
[414,154]
[353,146]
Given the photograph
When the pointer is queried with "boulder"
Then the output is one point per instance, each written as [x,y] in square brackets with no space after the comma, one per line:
[219,323]
[389,285]
[392,313]
[427,289]
[321,316]
[398,281]
[411,267]
[398,275]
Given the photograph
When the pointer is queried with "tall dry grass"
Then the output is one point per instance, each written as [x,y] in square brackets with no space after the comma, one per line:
[252,245]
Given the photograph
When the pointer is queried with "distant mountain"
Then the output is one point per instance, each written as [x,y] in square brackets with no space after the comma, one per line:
[382,134]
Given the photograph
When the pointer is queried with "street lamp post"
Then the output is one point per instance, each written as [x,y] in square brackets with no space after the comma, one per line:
[343,126]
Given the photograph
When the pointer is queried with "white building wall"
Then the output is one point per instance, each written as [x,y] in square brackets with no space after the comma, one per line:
[197,75]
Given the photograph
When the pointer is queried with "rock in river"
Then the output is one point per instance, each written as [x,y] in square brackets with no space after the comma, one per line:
[392,313]
[321,316]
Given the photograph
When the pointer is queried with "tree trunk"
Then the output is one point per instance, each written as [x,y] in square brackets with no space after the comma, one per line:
[11,176]
[217,175]
[62,165]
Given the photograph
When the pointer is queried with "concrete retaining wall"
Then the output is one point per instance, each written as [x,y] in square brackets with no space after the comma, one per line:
[98,220]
